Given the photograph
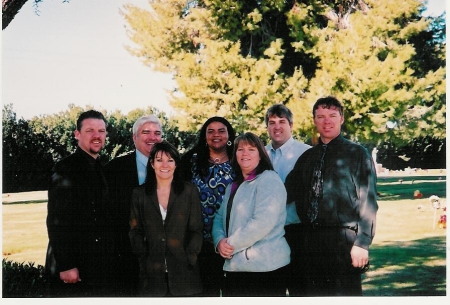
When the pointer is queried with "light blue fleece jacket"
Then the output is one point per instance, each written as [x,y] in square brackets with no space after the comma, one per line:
[256,228]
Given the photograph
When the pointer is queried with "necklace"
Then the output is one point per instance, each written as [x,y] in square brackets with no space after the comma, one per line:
[217,160]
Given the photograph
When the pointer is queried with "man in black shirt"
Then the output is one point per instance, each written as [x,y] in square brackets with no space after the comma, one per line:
[77,221]
[333,185]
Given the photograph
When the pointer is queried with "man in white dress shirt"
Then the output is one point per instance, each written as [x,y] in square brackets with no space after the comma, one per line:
[284,151]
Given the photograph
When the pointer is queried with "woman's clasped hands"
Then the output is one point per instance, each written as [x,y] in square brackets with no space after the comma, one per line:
[225,250]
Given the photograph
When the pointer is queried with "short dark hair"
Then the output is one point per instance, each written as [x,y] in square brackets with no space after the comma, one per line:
[90,114]
[328,102]
[281,111]
[170,150]
[253,140]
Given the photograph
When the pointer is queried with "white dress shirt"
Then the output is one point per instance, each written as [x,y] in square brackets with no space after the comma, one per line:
[283,160]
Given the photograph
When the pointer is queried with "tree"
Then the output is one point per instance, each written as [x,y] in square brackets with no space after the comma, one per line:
[10,8]
[26,157]
[235,58]
[31,147]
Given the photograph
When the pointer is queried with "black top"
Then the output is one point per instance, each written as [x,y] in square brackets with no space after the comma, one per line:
[349,187]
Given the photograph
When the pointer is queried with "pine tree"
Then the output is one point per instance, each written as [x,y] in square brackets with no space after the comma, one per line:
[236,58]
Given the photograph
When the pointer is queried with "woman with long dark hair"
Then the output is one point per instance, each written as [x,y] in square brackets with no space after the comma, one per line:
[208,166]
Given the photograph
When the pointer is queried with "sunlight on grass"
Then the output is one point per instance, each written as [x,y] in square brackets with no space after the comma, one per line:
[434,261]
[404,285]
[408,254]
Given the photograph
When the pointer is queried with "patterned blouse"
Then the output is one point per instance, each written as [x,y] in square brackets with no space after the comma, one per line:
[211,189]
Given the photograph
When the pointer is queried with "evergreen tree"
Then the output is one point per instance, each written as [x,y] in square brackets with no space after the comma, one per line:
[236,58]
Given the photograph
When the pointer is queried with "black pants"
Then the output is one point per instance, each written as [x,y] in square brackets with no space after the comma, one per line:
[324,253]
[59,289]
[211,270]
[256,284]
[125,274]
[295,281]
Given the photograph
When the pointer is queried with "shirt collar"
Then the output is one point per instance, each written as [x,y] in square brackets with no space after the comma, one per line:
[285,147]
[235,185]
[88,157]
[332,142]
[252,175]
[140,157]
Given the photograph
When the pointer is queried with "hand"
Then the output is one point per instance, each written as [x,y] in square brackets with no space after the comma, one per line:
[225,250]
[360,257]
[70,276]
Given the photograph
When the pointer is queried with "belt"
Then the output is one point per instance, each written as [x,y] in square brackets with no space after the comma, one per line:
[322,225]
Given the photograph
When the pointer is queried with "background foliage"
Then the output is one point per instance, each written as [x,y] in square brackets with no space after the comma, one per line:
[31,147]
[23,280]
[235,58]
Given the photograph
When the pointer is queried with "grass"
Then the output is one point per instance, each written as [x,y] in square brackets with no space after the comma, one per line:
[397,188]
[410,268]
[408,254]
[25,232]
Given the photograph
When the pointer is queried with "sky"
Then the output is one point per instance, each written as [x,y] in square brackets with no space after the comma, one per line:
[74,53]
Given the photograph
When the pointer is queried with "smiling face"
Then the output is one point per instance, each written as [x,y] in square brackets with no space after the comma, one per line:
[164,165]
[328,122]
[147,135]
[279,129]
[217,136]
[91,136]
[247,156]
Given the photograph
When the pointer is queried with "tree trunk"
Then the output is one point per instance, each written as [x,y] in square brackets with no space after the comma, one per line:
[10,10]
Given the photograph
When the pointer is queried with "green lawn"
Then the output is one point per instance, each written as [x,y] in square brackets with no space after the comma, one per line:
[408,268]
[408,254]
[396,188]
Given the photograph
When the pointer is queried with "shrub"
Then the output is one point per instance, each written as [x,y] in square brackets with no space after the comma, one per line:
[23,280]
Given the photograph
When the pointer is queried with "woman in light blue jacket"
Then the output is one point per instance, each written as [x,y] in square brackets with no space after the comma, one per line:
[248,229]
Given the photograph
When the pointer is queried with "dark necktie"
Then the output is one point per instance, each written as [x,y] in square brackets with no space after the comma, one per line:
[316,186]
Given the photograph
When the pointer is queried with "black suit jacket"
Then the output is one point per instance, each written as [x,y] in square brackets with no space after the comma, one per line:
[78,218]
[174,243]
[121,174]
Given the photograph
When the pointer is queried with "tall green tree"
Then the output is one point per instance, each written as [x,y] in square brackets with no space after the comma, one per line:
[26,159]
[236,58]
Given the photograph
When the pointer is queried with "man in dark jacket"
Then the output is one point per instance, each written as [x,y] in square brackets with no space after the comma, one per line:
[333,185]
[77,222]
[123,174]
